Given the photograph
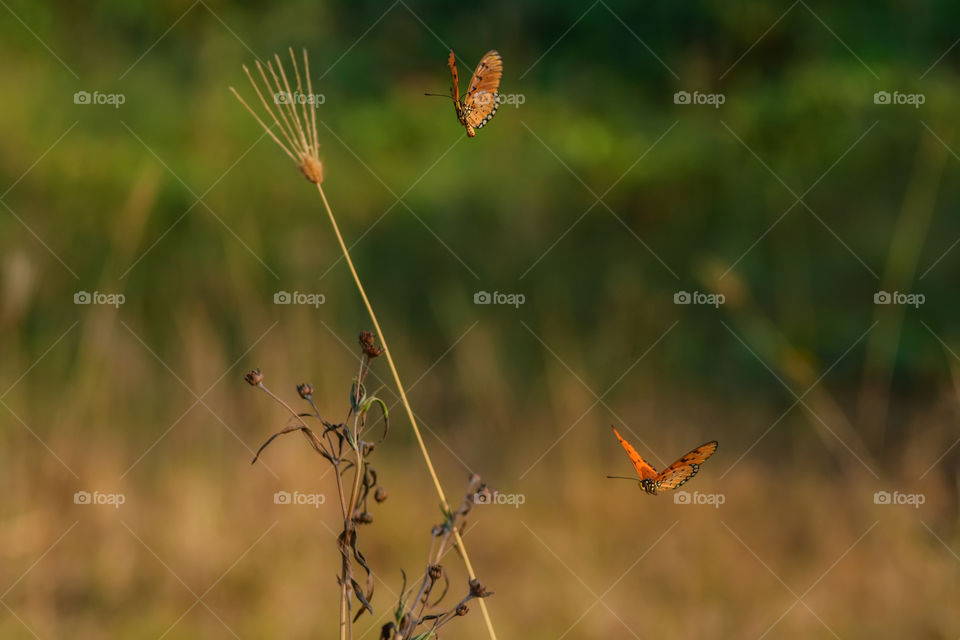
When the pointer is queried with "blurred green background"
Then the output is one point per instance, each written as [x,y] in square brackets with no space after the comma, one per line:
[598,199]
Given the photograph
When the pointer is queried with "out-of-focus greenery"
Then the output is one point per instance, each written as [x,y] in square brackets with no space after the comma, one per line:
[489,209]
[179,202]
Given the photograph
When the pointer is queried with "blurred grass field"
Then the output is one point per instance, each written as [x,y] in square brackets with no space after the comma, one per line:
[819,397]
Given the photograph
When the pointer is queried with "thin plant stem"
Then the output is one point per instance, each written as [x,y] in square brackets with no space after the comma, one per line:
[406,404]
[345,626]
[300,134]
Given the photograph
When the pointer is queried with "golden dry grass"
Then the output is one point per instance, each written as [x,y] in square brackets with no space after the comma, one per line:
[195,507]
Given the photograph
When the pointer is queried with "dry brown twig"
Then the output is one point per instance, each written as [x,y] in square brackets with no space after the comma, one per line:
[411,616]
[343,447]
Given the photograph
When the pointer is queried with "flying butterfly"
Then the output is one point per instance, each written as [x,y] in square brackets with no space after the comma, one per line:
[671,477]
[480,103]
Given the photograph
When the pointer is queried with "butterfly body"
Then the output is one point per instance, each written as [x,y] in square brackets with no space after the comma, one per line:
[480,102]
[649,486]
[673,476]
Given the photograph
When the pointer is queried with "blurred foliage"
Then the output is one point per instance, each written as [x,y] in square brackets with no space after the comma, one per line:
[176,199]
[595,102]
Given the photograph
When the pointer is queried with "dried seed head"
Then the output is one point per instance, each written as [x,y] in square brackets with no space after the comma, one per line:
[477,590]
[296,128]
[363,518]
[380,494]
[254,378]
[305,390]
[311,168]
[437,530]
[368,344]
[462,609]
[434,571]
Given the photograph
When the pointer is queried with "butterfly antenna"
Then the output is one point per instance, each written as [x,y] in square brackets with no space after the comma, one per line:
[622,478]
[438,95]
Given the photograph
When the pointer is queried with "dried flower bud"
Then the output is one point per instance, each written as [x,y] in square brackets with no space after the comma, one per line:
[477,590]
[434,571]
[363,518]
[380,494]
[437,530]
[305,390]
[462,609]
[368,345]
[386,631]
[254,378]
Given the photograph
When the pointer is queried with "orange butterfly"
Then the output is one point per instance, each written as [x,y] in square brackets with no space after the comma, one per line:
[671,477]
[480,102]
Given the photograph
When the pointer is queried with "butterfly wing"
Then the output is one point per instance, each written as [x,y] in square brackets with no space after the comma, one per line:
[684,468]
[455,88]
[644,469]
[480,102]
[455,85]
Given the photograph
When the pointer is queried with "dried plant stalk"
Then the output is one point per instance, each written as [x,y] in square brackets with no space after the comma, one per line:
[301,143]
[336,443]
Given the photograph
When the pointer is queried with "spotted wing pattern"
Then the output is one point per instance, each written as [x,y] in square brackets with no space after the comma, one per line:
[481,102]
[644,469]
[684,468]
